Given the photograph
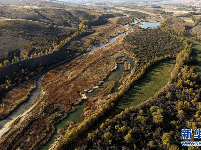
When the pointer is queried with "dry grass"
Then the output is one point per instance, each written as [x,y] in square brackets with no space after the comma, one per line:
[14,97]
[187,19]
[103,32]
[68,82]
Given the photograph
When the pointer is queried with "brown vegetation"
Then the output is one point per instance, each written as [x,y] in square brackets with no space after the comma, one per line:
[15,97]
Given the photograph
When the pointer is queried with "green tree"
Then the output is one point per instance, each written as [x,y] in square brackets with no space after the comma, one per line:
[144,120]
[26,55]
[117,127]
[158,118]
[92,41]
[50,50]
[35,55]
[157,115]
[181,114]
[179,83]
[193,148]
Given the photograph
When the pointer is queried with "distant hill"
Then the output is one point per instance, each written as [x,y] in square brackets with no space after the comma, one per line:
[34,28]
[39,3]
[194,2]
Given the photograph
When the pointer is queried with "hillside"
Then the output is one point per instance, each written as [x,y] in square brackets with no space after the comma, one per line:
[35,28]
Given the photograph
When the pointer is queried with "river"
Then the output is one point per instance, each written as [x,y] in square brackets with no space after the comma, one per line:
[113,76]
[35,96]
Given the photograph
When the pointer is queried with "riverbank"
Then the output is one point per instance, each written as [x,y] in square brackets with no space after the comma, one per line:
[15,98]
[19,119]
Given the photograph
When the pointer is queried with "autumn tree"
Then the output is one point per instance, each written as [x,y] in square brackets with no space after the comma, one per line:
[6,62]
[90,135]
[26,56]
[157,114]
[174,147]
[167,139]
[128,138]
[108,135]
[151,144]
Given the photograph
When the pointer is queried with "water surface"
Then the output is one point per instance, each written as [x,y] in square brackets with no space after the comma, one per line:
[152,25]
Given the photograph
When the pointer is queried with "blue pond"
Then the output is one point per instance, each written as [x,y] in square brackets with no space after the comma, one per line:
[149,24]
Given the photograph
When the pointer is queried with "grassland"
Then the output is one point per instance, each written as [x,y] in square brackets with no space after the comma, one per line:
[153,80]
[196,54]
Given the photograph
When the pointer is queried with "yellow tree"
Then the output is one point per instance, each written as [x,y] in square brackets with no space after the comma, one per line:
[167,139]
[26,55]
[50,50]
[35,55]
[128,138]
[6,62]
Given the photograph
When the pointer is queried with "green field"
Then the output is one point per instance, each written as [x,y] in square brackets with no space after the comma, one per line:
[153,80]
[196,54]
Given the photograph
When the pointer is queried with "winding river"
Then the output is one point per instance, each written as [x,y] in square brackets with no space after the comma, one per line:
[36,95]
